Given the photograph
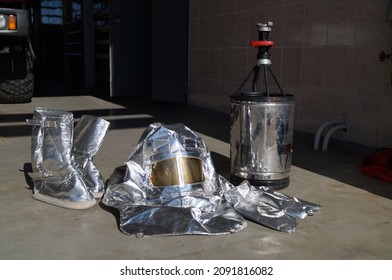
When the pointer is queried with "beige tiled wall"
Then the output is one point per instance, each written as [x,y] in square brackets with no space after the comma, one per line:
[326,53]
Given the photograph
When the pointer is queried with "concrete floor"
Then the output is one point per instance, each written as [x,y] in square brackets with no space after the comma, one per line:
[354,223]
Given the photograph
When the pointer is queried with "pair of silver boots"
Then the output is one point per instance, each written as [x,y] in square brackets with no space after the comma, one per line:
[63,171]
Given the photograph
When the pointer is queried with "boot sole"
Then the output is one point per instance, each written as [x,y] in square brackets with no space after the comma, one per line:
[64,203]
[97,195]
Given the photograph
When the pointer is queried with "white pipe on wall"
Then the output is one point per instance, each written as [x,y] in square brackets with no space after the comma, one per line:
[343,126]
[334,121]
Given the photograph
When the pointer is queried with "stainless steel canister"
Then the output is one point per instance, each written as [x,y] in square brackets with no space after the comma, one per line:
[261,137]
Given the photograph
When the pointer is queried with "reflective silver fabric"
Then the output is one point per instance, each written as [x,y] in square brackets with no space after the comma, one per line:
[145,209]
[269,208]
[55,179]
[214,206]
[89,133]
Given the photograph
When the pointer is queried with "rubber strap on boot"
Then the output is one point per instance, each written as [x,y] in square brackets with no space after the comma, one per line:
[43,123]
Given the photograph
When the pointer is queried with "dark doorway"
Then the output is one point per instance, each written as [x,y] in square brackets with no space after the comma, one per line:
[169,50]
[111,49]
[47,41]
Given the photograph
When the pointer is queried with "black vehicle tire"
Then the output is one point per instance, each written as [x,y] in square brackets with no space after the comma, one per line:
[17,82]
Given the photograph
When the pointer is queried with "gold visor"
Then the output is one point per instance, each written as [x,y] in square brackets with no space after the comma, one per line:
[177,172]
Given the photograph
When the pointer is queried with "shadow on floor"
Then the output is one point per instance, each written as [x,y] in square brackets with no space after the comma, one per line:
[340,162]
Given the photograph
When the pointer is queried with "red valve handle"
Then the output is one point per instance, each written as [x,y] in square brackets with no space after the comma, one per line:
[261,43]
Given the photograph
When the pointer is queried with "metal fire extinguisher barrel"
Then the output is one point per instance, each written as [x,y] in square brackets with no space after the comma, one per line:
[261,137]
[261,131]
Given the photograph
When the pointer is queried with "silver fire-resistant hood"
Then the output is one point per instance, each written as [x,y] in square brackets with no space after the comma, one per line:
[168,186]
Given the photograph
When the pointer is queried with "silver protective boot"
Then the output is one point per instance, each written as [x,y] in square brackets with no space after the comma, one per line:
[55,179]
[88,137]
